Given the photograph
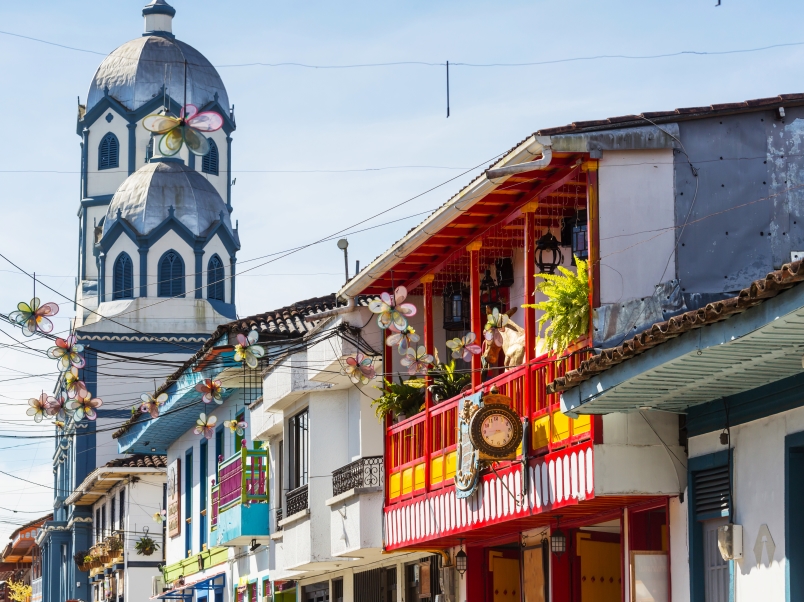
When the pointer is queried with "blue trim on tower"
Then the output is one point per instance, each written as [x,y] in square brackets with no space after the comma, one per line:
[97,201]
[143,271]
[102,278]
[232,262]
[132,147]
[229,172]
[199,273]
[227,310]
[84,133]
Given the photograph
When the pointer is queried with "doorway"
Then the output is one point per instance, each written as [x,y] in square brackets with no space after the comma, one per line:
[590,570]
[317,592]
[504,581]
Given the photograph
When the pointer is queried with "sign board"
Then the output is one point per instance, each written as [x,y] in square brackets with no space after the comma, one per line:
[468,469]
[649,582]
[174,498]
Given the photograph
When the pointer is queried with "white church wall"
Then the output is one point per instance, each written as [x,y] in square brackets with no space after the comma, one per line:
[106,181]
[216,246]
[169,241]
[123,244]
[219,181]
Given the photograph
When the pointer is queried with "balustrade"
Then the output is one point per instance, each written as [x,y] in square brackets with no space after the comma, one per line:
[365,472]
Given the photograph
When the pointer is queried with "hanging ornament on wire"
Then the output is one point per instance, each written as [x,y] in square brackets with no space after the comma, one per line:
[57,407]
[495,322]
[184,129]
[247,350]
[150,404]
[33,316]
[74,386]
[205,425]
[359,369]
[68,353]
[212,390]
[464,347]
[392,312]
[38,407]
[236,426]
[160,517]
[418,361]
[85,406]
[403,340]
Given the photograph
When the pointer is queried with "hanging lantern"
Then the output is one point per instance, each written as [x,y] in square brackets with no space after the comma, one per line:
[548,254]
[490,294]
[558,542]
[461,561]
[456,306]
[504,266]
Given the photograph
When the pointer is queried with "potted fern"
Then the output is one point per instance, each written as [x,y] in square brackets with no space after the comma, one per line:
[146,546]
[565,317]
[446,381]
[400,400]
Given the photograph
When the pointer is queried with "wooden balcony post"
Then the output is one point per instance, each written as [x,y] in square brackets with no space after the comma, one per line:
[427,285]
[592,211]
[387,366]
[474,303]
[529,212]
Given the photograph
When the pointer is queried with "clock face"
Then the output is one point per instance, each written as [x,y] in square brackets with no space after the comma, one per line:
[497,430]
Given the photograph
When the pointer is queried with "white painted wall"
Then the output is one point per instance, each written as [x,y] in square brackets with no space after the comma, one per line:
[636,199]
[216,246]
[106,181]
[759,489]
[679,549]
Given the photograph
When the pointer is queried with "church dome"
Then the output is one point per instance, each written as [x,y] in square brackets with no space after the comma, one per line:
[149,195]
[135,72]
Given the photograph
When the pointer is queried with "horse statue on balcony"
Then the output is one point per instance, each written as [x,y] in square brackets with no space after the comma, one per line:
[504,335]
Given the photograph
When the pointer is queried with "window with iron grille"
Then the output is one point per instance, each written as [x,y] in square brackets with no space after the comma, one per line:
[171,275]
[123,285]
[109,152]
[209,164]
[215,278]
[122,508]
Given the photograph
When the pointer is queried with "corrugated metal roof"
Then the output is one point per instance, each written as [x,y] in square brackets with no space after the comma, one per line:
[692,359]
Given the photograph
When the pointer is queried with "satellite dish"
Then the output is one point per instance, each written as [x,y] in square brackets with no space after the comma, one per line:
[342,244]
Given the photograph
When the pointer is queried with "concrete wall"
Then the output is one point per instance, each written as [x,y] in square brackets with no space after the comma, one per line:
[759,489]
[636,223]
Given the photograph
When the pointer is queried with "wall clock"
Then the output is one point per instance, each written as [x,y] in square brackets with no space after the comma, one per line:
[496,432]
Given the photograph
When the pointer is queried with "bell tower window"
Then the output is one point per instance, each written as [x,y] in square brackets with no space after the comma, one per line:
[123,277]
[171,275]
[209,164]
[215,276]
[109,152]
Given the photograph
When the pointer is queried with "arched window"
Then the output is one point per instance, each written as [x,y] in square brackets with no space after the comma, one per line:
[215,276]
[109,152]
[209,164]
[171,275]
[123,286]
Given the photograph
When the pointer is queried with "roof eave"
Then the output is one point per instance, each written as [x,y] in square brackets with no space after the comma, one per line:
[95,476]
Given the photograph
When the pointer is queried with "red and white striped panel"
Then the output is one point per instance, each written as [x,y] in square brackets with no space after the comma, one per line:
[559,479]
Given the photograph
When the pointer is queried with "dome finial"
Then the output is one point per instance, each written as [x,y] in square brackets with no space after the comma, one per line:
[159,18]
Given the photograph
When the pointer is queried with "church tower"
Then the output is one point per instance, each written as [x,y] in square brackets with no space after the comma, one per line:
[137,209]
[156,258]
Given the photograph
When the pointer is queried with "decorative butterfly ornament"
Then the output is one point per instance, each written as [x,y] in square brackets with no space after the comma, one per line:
[38,407]
[392,312]
[57,407]
[85,406]
[184,129]
[495,322]
[34,316]
[247,350]
[74,386]
[359,369]
[464,347]
[418,361]
[403,340]
[212,390]
[68,353]
[150,404]
[205,425]
[238,427]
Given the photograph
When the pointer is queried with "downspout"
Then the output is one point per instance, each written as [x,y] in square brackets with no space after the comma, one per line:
[497,176]
[344,309]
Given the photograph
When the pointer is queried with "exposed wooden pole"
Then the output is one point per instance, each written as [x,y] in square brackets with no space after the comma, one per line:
[529,212]
[474,303]
[427,286]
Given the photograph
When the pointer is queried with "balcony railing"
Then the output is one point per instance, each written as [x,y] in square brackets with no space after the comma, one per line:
[243,480]
[365,472]
[410,456]
[279,516]
[296,500]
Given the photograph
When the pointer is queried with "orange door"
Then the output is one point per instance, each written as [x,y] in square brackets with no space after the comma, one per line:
[506,580]
[600,571]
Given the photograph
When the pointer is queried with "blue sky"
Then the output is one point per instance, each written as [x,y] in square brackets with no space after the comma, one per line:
[299,119]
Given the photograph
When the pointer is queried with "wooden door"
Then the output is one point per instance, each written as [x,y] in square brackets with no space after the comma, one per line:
[506,580]
[600,571]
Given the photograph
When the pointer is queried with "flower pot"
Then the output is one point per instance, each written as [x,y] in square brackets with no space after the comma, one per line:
[147,551]
[83,567]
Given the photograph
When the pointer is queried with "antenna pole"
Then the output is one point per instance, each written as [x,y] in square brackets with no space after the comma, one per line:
[447,89]
[346,263]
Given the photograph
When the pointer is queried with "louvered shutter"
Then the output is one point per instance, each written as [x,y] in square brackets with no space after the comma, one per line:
[177,277]
[712,490]
[215,277]
[128,279]
[123,285]
[108,152]
[209,164]
[165,274]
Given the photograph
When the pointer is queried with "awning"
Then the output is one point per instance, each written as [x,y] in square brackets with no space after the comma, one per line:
[204,583]
[762,345]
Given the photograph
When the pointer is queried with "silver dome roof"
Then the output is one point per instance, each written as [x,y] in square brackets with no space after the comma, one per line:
[135,73]
[146,197]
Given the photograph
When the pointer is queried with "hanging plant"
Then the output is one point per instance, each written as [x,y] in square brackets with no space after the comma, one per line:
[114,544]
[80,559]
[566,310]
[146,546]
[405,398]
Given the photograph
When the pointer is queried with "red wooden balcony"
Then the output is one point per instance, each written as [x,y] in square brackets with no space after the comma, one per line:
[408,451]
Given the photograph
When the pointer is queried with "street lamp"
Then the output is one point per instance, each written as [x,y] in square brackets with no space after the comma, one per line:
[461,561]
